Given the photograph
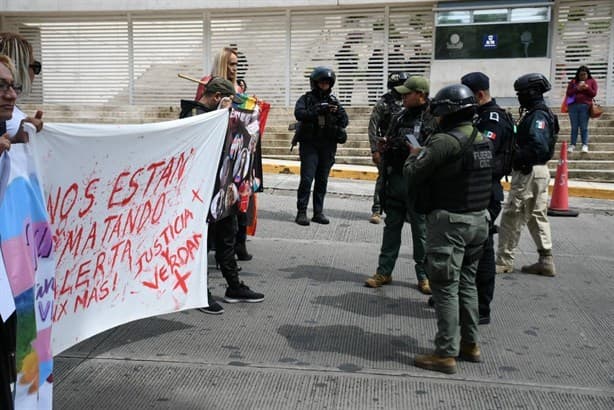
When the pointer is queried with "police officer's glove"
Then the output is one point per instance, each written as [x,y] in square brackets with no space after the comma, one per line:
[323,108]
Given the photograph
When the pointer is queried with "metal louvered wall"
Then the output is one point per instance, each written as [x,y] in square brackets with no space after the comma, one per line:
[261,42]
[583,37]
[135,59]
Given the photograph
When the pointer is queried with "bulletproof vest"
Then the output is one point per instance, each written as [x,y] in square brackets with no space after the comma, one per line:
[464,184]
[553,122]
[504,156]
[405,122]
[325,127]
[392,108]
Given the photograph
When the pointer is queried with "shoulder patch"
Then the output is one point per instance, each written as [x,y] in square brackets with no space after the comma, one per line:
[491,135]
[494,116]
[540,124]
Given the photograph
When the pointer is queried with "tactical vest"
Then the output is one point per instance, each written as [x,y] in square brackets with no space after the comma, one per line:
[392,108]
[464,184]
[404,122]
[325,128]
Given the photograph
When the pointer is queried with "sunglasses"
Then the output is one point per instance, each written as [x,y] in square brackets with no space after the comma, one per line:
[36,66]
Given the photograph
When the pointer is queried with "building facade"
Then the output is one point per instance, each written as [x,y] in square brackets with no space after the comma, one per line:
[118,52]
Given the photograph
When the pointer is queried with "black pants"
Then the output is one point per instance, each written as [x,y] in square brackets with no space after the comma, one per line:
[224,233]
[7,360]
[241,227]
[316,162]
[485,275]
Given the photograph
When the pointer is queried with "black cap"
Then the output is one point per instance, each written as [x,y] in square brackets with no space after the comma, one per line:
[477,81]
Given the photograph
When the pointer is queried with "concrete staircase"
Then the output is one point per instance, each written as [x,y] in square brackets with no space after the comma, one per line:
[597,165]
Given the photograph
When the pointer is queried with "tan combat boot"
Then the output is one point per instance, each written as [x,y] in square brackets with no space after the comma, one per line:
[504,269]
[378,280]
[437,363]
[470,352]
[544,266]
[424,286]
[376,218]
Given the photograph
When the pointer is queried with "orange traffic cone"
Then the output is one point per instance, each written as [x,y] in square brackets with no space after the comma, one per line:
[559,203]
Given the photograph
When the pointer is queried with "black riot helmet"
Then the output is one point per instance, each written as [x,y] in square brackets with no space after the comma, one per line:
[319,74]
[533,82]
[451,99]
[531,87]
[396,78]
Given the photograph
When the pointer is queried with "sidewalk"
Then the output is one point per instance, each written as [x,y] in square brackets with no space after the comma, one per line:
[582,189]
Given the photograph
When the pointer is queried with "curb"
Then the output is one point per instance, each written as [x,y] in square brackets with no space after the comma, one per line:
[368,173]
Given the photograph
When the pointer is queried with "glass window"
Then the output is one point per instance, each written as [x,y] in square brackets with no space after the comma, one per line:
[454,17]
[520,40]
[530,14]
[490,16]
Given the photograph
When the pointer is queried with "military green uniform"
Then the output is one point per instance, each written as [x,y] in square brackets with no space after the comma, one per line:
[455,234]
[397,204]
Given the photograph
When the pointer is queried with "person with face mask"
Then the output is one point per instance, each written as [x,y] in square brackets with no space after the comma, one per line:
[527,202]
[386,107]
[322,126]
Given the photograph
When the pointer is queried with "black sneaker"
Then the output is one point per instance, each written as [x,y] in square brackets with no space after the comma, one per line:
[214,308]
[484,320]
[242,294]
[320,219]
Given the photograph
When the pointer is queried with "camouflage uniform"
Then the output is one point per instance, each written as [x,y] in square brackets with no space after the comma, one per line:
[381,116]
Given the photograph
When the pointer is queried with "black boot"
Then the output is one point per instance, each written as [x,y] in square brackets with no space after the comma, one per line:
[320,218]
[301,218]
[241,252]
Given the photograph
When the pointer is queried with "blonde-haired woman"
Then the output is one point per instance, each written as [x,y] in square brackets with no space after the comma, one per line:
[18,49]
[225,63]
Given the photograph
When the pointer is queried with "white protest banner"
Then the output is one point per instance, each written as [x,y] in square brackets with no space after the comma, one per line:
[127,205]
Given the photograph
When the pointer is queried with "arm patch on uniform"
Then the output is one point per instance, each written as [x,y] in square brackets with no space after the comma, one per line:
[491,135]
[494,116]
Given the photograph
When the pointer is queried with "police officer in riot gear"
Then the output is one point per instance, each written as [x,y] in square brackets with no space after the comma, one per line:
[452,177]
[322,126]
[495,123]
[387,106]
[528,197]
[415,121]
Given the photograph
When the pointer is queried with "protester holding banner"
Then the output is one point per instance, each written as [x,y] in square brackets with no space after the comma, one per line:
[8,96]
[10,89]
[222,231]
[225,65]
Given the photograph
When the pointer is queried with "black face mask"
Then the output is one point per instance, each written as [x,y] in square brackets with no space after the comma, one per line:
[525,99]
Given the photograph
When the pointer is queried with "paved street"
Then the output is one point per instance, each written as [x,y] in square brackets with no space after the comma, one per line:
[321,340]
